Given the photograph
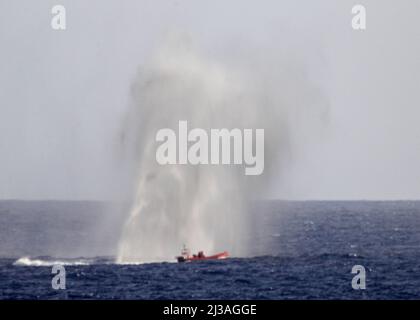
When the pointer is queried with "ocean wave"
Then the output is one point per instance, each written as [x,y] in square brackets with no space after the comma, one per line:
[50,261]
[45,262]
[141,262]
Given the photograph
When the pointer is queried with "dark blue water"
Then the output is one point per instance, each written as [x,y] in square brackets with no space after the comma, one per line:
[303,250]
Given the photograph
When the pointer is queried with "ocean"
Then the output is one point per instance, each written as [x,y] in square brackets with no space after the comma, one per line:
[298,250]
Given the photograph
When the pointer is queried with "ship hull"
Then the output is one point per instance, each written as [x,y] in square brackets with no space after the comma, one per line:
[218,256]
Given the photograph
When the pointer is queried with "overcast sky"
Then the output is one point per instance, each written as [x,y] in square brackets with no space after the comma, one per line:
[64,94]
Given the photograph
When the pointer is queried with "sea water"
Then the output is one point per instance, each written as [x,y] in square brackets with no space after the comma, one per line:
[297,250]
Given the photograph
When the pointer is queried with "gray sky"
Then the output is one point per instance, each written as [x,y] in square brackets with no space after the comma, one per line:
[64,94]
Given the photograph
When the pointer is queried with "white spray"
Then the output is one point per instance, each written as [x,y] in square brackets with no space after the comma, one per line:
[203,206]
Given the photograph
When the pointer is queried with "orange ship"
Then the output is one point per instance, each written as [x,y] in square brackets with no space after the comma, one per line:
[186,257]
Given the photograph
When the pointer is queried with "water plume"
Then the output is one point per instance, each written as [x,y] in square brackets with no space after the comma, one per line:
[202,206]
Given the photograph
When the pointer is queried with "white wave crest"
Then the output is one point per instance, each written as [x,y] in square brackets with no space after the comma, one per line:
[37,262]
